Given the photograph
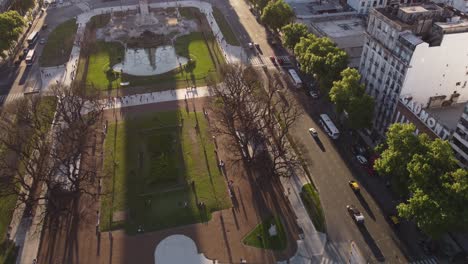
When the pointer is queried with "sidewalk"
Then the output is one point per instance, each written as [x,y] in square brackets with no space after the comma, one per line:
[156,97]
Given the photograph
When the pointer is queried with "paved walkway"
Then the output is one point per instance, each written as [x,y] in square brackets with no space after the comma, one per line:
[156,97]
[179,249]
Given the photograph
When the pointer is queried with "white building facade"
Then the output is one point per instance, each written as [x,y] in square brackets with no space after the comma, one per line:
[417,54]
[364,6]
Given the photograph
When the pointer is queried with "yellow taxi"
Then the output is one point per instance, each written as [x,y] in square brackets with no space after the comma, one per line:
[394,220]
[354,186]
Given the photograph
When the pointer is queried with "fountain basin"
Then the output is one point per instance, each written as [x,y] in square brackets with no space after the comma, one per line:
[152,61]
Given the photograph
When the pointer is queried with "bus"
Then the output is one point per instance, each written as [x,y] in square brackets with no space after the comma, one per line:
[32,38]
[295,77]
[30,57]
[329,127]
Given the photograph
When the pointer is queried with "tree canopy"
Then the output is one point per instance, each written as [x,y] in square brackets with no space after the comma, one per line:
[427,172]
[320,56]
[349,95]
[292,34]
[11,24]
[276,14]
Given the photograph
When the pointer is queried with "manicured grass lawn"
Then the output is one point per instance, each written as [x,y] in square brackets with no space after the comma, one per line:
[260,237]
[59,44]
[191,46]
[157,157]
[311,201]
[104,56]
[226,29]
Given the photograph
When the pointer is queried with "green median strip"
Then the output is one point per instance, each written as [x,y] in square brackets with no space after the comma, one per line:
[311,200]
[225,28]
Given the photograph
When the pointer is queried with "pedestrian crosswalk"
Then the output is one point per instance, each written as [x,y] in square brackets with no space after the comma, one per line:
[266,61]
[425,261]
[7,98]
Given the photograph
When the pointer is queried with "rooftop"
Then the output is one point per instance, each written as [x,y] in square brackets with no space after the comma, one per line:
[348,34]
[315,7]
[448,116]
[419,9]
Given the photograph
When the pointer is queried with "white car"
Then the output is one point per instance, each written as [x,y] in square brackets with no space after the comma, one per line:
[357,216]
[42,41]
[361,159]
[313,94]
[251,45]
[313,132]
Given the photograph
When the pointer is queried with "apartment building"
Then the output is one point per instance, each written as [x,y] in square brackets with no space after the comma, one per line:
[364,6]
[416,58]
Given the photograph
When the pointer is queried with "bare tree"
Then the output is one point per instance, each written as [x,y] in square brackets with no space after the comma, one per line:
[256,118]
[237,107]
[43,140]
[26,144]
[78,114]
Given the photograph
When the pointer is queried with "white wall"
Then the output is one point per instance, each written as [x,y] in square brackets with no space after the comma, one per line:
[436,70]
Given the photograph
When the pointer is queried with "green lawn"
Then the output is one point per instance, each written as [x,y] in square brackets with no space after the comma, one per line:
[59,44]
[104,55]
[226,29]
[156,160]
[192,46]
[311,201]
[260,237]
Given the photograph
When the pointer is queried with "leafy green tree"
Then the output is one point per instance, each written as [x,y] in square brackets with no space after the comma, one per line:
[401,145]
[22,6]
[361,111]
[11,25]
[349,95]
[260,4]
[322,58]
[276,14]
[292,34]
[345,89]
[428,174]
[439,191]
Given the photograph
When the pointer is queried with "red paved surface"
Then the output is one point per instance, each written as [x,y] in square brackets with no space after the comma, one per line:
[75,240]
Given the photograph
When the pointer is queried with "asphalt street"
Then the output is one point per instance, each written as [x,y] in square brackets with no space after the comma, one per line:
[332,165]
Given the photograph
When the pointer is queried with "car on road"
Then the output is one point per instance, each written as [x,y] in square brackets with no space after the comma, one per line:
[313,132]
[251,45]
[257,46]
[273,60]
[42,41]
[354,186]
[44,26]
[358,150]
[357,216]
[361,159]
[313,94]
[394,220]
[280,61]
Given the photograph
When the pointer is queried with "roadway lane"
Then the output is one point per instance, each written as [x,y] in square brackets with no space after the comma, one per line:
[331,173]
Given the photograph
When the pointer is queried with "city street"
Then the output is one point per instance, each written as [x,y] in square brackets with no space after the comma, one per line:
[332,165]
